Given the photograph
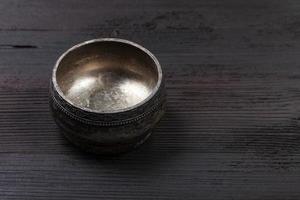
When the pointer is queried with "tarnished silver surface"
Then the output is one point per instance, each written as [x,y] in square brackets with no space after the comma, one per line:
[107,95]
[106,75]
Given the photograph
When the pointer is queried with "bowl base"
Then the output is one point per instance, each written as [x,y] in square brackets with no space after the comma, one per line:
[104,149]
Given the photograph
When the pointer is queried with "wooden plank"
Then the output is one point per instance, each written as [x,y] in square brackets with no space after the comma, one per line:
[233,80]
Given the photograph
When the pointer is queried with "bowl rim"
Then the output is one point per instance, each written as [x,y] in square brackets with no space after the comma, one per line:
[117,40]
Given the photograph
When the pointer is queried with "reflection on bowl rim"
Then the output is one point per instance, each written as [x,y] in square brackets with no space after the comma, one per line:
[118,40]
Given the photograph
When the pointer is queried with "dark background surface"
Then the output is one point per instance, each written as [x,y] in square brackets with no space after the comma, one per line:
[233,79]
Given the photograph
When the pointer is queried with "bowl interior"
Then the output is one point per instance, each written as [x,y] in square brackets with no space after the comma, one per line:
[106,76]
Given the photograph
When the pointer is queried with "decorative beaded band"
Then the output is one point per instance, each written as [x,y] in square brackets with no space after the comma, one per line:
[153,109]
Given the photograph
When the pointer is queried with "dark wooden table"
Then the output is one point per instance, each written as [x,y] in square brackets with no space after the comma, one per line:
[233,80]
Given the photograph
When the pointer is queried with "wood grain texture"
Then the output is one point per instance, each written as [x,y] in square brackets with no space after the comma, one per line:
[233,79]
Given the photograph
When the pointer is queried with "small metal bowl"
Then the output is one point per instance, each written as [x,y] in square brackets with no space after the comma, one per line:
[107,95]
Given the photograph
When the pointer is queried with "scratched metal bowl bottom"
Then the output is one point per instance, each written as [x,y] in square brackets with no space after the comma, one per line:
[108,89]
